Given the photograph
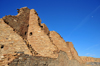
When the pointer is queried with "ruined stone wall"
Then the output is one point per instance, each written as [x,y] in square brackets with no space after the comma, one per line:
[74,52]
[10,43]
[62,60]
[60,43]
[90,59]
[19,23]
[38,39]
[24,41]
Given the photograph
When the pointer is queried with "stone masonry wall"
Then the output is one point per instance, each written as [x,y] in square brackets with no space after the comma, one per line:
[19,23]
[24,41]
[10,42]
[38,39]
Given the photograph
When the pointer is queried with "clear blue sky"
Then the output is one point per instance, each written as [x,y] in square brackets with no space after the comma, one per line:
[77,21]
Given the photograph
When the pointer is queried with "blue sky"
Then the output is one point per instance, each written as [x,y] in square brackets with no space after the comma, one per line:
[77,21]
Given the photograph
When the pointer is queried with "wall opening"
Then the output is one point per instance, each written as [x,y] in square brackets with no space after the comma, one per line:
[30,33]
[27,25]
[2,46]
[6,22]
[25,33]
[13,29]
[41,26]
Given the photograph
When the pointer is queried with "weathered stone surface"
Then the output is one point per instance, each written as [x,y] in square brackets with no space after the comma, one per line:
[60,43]
[92,64]
[74,52]
[26,60]
[10,41]
[19,23]
[38,39]
[62,60]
